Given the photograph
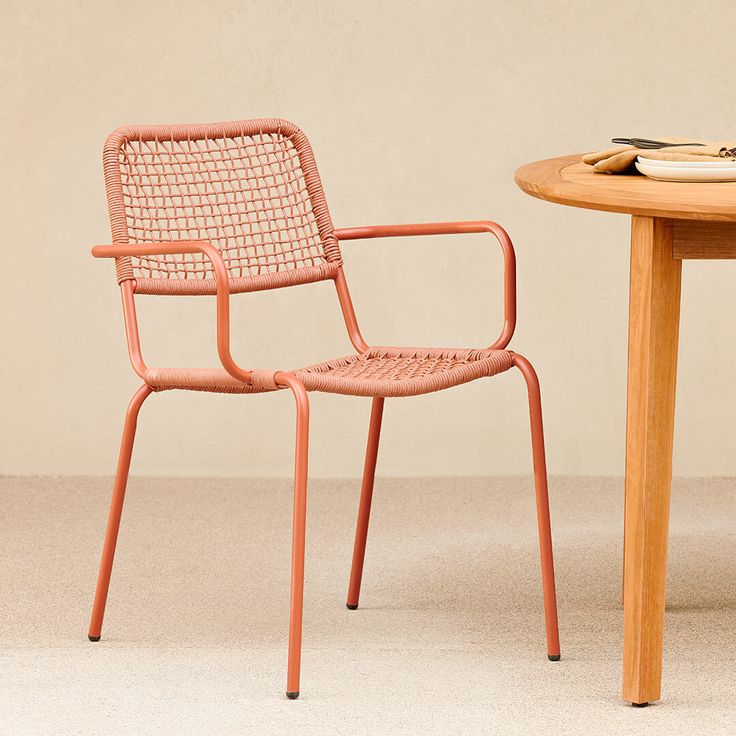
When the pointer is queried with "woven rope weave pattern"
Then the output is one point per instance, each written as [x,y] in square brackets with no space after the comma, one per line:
[381,371]
[250,188]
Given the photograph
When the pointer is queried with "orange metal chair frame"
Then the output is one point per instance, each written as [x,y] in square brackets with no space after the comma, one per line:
[160,179]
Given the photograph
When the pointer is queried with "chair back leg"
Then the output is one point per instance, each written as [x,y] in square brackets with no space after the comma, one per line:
[298,532]
[364,511]
[543,522]
[116,510]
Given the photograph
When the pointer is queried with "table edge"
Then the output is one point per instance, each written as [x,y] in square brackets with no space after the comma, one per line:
[553,188]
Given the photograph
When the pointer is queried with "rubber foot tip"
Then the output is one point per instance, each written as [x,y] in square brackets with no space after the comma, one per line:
[93,638]
[553,657]
[640,705]
[292,695]
[352,606]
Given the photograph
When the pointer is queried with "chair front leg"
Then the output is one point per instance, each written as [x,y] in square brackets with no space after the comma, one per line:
[364,511]
[298,531]
[543,522]
[116,510]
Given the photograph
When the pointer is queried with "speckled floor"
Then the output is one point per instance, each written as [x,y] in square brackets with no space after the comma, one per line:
[448,639]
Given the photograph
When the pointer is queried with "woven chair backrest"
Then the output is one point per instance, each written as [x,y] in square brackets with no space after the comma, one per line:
[251,188]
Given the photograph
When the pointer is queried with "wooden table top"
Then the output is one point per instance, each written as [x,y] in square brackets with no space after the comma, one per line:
[567,180]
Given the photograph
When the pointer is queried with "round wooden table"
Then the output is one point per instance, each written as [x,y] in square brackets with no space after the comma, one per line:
[671,222]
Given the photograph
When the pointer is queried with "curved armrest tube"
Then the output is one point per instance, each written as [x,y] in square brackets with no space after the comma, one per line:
[159,249]
[221,279]
[453,228]
[422,228]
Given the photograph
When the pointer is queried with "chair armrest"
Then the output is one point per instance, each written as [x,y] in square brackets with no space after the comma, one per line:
[221,280]
[453,228]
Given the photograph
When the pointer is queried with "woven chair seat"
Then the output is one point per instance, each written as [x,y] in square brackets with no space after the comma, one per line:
[377,372]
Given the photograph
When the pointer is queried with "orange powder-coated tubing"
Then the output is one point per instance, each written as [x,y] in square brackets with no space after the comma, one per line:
[223,291]
[298,531]
[236,253]
[348,313]
[542,495]
[366,496]
[116,510]
[455,228]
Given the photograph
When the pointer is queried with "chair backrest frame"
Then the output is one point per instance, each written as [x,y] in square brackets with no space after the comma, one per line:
[250,187]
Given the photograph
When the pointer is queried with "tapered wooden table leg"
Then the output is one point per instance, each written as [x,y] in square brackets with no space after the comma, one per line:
[654,314]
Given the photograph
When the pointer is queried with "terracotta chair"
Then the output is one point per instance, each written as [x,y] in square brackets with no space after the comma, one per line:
[228,208]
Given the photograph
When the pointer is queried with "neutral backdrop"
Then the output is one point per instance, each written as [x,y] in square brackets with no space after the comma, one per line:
[416,112]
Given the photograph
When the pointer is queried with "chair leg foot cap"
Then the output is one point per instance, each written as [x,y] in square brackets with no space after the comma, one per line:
[292,695]
[93,638]
[554,657]
[640,705]
[352,606]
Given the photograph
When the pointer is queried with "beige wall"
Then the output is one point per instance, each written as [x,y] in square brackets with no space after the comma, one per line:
[416,112]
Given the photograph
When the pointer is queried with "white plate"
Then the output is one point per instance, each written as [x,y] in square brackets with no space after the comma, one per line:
[725,164]
[667,173]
